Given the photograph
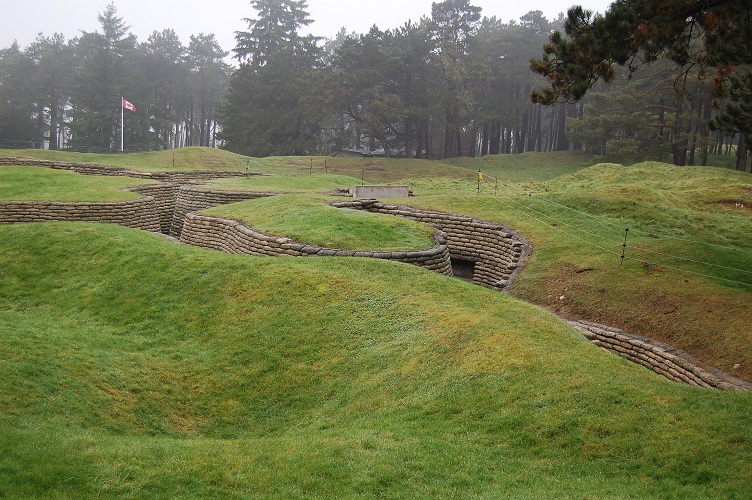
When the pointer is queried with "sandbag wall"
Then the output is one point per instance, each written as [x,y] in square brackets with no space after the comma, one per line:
[164,202]
[234,237]
[138,214]
[497,252]
[192,199]
[661,358]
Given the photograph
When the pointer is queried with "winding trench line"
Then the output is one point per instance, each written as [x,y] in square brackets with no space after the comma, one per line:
[482,252]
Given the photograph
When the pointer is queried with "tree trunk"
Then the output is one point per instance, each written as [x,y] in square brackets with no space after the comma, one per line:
[495,137]
[562,143]
[741,154]
[707,103]
[485,139]
[447,141]
[408,139]
[41,126]
[53,129]
[679,143]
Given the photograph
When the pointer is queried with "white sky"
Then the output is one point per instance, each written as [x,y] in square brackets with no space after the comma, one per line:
[23,20]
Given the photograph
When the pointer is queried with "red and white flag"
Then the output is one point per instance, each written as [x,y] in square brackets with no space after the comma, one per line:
[128,105]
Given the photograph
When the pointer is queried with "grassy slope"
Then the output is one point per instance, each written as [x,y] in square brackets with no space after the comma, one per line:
[43,184]
[309,219]
[130,366]
[300,183]
[193,158]
[135,367]
[685,302]
[198,158]
[525,167]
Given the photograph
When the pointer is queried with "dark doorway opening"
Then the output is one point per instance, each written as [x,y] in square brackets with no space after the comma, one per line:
[463,269]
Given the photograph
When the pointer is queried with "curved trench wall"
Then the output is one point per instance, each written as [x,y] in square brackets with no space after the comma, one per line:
[234,237]
[661,358]
[191,199]
[138,214]
[164,202]
[494,253]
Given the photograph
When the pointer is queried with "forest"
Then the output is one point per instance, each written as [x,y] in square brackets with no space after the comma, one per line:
[455,83]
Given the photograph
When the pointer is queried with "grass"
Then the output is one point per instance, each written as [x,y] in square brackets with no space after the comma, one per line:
[526,167]
[508,168]
[686,278]
[192,158]
[176,371]
[133,367]
[43,184]
[309,219]
[198,158]
[302,183]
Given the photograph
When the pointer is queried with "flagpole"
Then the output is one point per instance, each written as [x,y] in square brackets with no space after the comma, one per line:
[122,117]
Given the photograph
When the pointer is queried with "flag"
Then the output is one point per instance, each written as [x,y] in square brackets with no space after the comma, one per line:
[128,105]
[480,175]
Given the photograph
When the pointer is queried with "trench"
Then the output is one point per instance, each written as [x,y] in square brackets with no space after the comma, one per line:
[481,252]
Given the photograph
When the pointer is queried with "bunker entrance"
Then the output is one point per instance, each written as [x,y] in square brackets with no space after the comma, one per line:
[463,268]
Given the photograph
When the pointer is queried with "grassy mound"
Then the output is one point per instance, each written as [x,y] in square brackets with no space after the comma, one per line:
[309,219]
[130,366]
[183,159]
[508,168]
[687,274]
[43,184]
[320,183]
[526,167]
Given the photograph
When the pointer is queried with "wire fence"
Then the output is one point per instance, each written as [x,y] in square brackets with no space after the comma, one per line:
[605,236]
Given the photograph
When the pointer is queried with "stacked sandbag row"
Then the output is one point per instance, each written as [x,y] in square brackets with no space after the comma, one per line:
[164,202]
[661,358]
[138,214]
[234,237]
[193,199]
[498,253]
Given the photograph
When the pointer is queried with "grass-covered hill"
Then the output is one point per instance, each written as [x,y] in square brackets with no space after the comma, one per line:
[134,367]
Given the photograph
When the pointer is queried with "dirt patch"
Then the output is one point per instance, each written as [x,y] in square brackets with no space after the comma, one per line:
[717,333]
[738,204]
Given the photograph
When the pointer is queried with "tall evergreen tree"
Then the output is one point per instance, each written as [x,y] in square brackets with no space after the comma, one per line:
[209,79]
[102,76]
[166,65]
[269,109]
[700,34]
[275,28]
[17,99]
[454,23]
[53,60]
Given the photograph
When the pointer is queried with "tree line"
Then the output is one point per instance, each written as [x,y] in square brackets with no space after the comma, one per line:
[454,83]
[66,94]
[691,66]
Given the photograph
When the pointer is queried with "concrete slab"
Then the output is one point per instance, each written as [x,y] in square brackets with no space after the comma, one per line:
[380,192]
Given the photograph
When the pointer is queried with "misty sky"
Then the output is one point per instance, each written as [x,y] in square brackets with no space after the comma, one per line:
[22,21]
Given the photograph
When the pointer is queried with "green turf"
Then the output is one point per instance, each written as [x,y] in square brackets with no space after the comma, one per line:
[133,367]
[310,219]
[687,274]
[43,184]
[301,183]
[136,367]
